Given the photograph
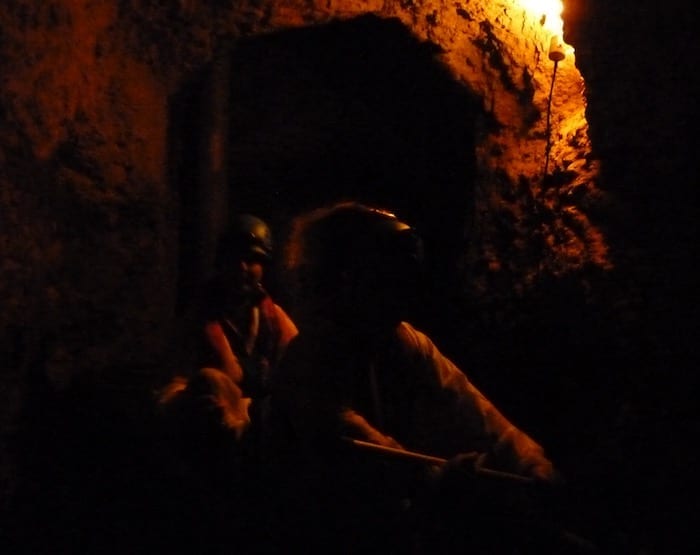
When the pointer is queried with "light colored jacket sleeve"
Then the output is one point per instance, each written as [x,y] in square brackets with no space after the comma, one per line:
[455,417]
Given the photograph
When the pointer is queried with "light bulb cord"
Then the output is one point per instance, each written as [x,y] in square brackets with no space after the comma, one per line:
[548,147]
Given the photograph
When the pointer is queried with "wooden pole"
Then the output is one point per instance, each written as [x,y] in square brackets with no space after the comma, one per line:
[439,461]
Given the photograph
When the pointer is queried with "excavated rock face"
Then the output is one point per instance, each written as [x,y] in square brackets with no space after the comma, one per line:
[130,129]
[90,181]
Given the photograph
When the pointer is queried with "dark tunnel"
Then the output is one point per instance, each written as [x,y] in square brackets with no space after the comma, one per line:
[349,110]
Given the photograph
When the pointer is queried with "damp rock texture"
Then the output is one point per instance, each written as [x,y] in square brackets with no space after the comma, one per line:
[89,212]
[559,200]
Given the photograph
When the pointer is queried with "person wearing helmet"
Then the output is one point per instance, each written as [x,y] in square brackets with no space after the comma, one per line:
[245,331]
[358,373]
[241,332]
[214,410]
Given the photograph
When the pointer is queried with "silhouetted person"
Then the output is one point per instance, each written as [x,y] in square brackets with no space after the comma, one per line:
[359,371]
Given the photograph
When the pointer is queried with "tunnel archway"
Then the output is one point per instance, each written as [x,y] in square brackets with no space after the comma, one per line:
[352,108]
[357,109]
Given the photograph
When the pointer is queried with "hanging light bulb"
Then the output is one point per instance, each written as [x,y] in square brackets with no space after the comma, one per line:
[547,12]
[556,49]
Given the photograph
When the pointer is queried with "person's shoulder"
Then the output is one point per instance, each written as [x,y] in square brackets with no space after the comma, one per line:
[413,341]
[269,305]
[282,317]
[270,309]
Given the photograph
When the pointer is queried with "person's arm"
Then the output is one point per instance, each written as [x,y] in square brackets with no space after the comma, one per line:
[353,425]
[217,340]
[287,328]
[466,419]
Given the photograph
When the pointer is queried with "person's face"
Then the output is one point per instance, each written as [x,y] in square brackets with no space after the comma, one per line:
[243,275]
[247,272]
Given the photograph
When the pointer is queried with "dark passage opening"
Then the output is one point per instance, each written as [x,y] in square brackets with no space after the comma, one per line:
[360,110]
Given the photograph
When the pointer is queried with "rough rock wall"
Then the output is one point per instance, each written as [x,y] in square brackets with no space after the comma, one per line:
[89,221]
[84,141]
[88,209]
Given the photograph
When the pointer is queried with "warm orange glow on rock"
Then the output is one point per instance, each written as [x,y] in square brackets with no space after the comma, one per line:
[547,12]
[88,88]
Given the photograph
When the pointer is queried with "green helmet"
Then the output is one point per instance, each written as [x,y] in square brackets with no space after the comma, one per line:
[247,237]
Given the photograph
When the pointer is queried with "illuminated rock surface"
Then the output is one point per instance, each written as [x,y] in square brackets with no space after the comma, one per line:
[571,282]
